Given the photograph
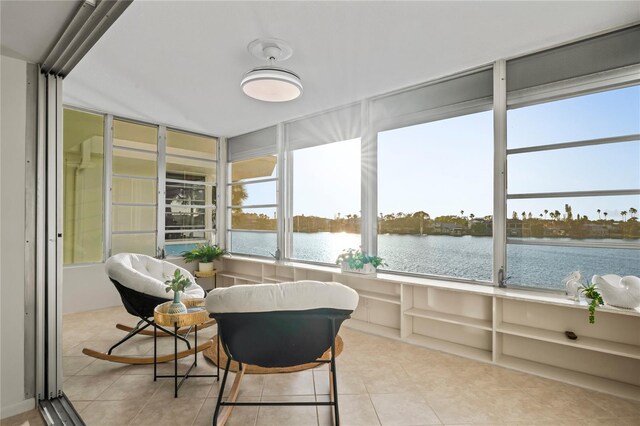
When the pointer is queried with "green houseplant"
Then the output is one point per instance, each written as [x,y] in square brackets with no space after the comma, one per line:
[204,254]
[178,283]
[357,261]
[594,298]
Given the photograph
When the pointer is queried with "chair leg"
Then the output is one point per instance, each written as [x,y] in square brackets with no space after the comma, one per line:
[334,378]
[221,392]
[233,396]
[132,333]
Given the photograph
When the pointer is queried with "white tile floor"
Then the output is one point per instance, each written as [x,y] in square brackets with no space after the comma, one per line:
[381,382]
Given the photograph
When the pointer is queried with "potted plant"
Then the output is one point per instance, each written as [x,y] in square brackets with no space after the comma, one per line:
[178,283]
[204,254]
[359,262]
[594,298]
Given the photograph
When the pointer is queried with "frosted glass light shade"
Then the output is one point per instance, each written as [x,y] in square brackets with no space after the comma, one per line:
[271,84]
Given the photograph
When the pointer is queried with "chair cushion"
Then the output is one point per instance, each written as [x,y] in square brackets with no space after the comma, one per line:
[147,275]
[291,296]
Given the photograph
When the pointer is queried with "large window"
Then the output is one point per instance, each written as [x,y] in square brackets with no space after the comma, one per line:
[134,183]
[573,188]
[326,200]
[252,206]
[190,191]
[83,187]
[435,196]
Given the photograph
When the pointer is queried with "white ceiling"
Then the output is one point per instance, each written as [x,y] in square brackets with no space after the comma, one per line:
[28,29]
[180,63]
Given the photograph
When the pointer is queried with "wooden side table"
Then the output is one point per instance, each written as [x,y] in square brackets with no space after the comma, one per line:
[197,315]
[208,274]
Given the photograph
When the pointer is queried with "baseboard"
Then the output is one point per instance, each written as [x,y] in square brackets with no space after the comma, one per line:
[18,408]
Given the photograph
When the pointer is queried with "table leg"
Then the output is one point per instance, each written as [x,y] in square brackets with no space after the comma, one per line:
[175,359]
[155,351]
[195,354]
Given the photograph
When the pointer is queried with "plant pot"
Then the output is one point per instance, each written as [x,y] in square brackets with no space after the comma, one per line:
[177,307]
[205,266]
[367,269]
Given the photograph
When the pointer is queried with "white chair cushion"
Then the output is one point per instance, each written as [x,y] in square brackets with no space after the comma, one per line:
[291,296]
[147,275]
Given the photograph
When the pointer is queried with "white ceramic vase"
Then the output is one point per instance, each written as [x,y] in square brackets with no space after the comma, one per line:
[205,266]
[621,292]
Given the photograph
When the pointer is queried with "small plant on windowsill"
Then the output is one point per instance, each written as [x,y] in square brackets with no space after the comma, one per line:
[359,262]
[204,254]
[594,298]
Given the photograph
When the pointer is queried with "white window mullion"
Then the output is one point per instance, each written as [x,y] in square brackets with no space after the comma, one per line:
[369,183]
[162,175]
[499,172]
[108,177]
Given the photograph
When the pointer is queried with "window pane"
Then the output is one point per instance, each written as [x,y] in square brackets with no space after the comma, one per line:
[141,191]
[191,169]
[253,194]
[128,218]
[83,186]
[326,200]
[577,217]
[133,135]
[188,144]
[598,115]
[435,197]
[134,163]
[588,168]
[177,217]
[545,266]
[254,219]
[190,194]
[178,242]
[134,243]
[253,243]
[255,168]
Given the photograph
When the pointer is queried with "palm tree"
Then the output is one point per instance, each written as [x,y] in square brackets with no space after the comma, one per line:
[599,217]
[462,213]
[557,214]
[524,215]
[472,216]
[633,211]
[545,213]
[605,215]
[623,213]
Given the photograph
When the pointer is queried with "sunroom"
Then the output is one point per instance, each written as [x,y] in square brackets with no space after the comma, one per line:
[453,186]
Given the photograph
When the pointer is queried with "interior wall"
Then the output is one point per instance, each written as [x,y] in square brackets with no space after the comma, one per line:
[13,112]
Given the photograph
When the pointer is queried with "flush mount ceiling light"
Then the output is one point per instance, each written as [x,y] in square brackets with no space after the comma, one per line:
[271,83]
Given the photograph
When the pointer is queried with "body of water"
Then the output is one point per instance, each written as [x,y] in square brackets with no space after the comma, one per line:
[460,257]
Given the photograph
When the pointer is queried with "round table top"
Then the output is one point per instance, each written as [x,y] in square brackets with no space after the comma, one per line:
[197,314]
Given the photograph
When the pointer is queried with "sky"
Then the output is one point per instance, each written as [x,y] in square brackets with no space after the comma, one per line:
[446,167]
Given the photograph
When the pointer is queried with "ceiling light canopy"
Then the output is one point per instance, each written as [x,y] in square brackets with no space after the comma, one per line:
[271,83]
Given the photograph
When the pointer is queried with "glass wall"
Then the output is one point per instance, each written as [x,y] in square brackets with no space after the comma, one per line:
[190,191]
[435,197]
[83,159]
[573,168]
[326,201]
[252,206]
[134,182]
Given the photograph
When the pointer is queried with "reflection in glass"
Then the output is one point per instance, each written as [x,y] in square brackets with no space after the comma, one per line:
[134,243]
[254,194]
[189,218]
[133,135]
[130,190]
[133,218]
[176,243]
[134,163]
[255,168]
[191,169]
[191,145]
[83,186]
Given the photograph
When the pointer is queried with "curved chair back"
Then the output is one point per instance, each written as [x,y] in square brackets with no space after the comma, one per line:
[280,325]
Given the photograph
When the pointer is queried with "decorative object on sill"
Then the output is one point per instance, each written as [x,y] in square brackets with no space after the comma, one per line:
[204,254]
[211,355]
[359,262]
[571,335]
[572,284]
[178,284]
[621,292]
[271,83]
[590,291]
